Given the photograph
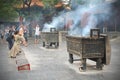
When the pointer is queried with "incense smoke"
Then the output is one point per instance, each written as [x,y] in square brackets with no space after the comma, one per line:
[80,20]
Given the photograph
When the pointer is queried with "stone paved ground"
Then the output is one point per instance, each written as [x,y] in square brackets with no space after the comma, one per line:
[52,64]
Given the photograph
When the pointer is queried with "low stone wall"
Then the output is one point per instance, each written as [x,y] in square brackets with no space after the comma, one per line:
[62,35]
[113,34]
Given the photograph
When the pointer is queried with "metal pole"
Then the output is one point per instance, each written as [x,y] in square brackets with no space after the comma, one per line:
[115,25]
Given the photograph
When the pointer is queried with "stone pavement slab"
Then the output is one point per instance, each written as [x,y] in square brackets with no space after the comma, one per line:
[52,64]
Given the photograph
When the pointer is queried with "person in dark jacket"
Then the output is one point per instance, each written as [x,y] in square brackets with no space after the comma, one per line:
[10,39]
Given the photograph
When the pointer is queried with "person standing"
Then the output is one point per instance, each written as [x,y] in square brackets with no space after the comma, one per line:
[21,30]
[37,34]
[2,36]
[26,34]
[16,46]
[10,39]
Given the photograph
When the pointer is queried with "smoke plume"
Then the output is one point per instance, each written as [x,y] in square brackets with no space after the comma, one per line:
[84,17]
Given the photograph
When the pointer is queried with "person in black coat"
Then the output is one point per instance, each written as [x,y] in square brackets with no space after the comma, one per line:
[10,39]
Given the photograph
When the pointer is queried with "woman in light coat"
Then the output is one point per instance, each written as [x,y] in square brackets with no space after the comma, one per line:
[16,46]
